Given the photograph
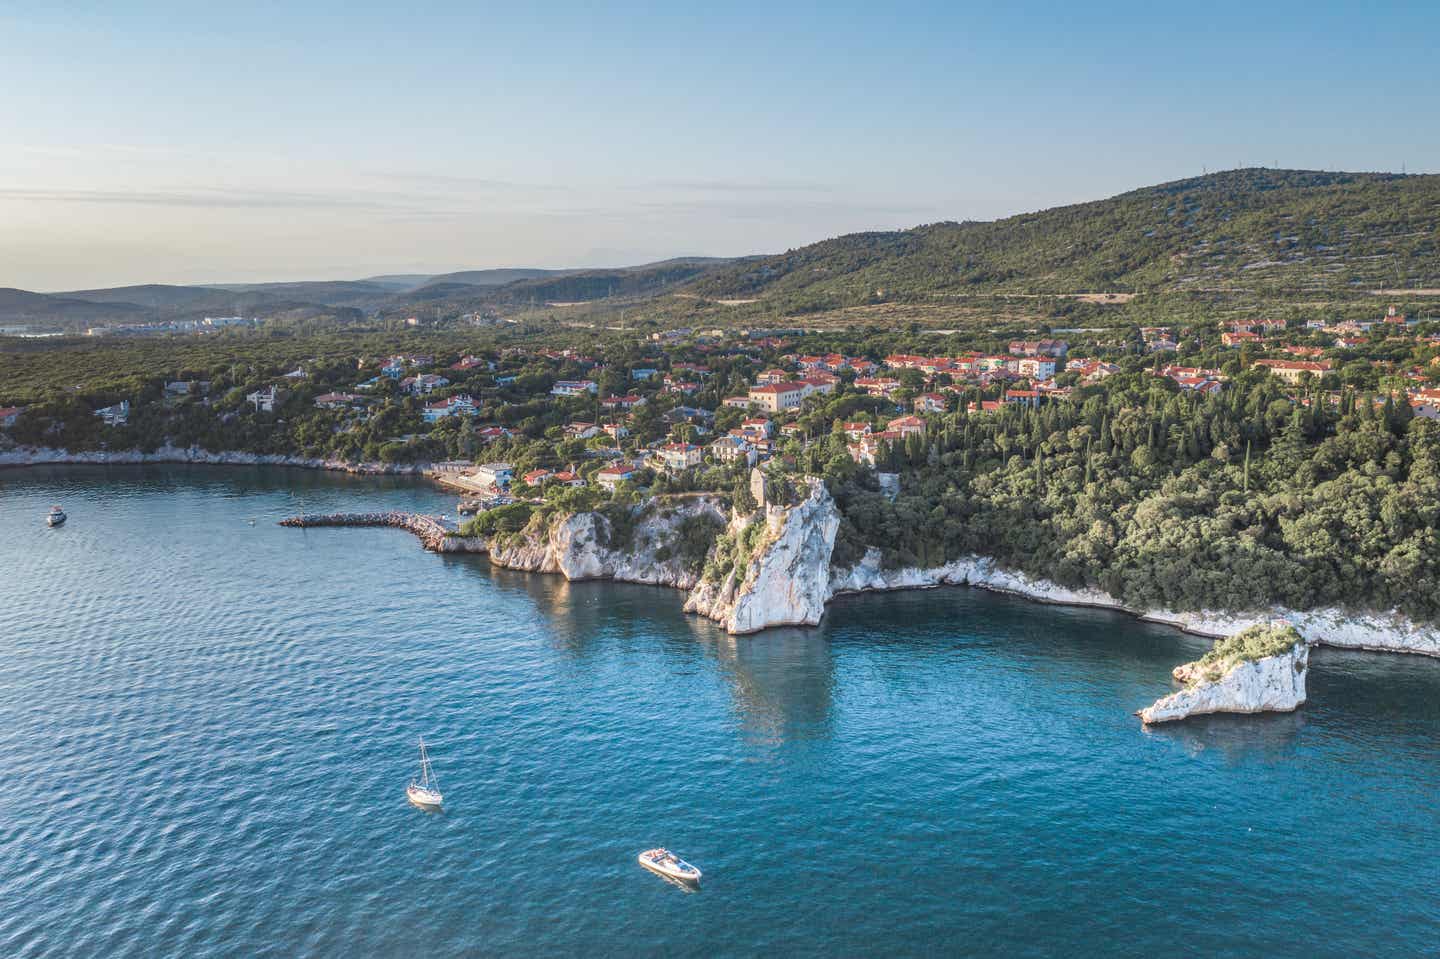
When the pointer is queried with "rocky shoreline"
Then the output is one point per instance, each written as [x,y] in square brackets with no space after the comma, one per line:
[48,456]
[778,572]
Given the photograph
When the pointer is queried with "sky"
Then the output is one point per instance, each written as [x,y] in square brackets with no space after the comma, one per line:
[153,142]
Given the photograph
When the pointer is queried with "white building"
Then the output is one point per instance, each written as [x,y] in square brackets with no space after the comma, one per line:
[264,400]
[497,475]
[777,397]
[117,415]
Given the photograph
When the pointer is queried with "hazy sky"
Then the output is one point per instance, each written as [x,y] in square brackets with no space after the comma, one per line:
[206,142]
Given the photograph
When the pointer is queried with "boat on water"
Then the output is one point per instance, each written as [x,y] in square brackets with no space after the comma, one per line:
[55,517]
[426,792]
[669,865]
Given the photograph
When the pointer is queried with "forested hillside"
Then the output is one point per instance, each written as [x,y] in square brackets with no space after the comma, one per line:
[1275,232]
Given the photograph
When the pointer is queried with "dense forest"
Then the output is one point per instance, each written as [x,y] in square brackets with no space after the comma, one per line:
[1232,501]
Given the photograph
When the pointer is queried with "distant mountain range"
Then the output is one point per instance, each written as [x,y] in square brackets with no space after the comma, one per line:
[464,290]
[1292,234]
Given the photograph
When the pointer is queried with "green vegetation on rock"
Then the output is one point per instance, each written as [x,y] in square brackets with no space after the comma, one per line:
[1256,642]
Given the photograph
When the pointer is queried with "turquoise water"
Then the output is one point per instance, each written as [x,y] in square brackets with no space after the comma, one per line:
[207,727]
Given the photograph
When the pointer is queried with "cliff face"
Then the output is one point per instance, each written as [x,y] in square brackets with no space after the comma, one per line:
[784,579]
[575,546]
[1271,684]
[1328,626]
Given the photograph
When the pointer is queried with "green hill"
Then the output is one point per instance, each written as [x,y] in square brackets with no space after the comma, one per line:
[1272,233]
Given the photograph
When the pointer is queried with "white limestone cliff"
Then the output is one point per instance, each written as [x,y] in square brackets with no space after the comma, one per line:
[1390,631]
[1271,684]
[784,579]
[574,546]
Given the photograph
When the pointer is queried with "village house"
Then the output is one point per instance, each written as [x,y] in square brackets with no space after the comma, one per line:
[611,476]
[462,405]
[627,402]
[492,433]
[1291,371]
[573,387]
[822,383]
[469,362]
[1033,367]
[264,400]
[1198,384]
[679,456]
[568,477]
[855,430]
[424,384]
[1239,338]
[496,475]
[643,373]
[1023,397]
[730,449]
[906,426]
[930,403]
[117,415]
[1056,349]
[777,397]
[867,448]
[757,425]
[1092,371]
[334,401]
[616,431]
[877,386]
[536,477]
[581,431]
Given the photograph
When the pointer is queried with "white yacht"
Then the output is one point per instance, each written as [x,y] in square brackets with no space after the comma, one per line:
[426,792]
[669,865]
[55,517]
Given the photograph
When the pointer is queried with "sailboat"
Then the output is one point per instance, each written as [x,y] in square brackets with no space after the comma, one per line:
[426,792]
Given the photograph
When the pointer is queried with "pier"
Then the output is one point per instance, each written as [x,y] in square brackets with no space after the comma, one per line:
[437,533]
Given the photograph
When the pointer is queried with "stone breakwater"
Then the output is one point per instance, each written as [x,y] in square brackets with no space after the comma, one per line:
[436,534]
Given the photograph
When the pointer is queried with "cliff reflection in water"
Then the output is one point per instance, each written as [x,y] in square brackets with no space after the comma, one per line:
[783,680]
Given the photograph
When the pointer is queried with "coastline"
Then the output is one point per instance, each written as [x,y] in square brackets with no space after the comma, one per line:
[193,455]
[1371,631]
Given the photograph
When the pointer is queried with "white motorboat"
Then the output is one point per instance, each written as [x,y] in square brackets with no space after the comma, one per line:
[669,865]
[425,792]
[55,517]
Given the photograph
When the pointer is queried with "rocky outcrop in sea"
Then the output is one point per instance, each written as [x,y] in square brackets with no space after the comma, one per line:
[1268,684]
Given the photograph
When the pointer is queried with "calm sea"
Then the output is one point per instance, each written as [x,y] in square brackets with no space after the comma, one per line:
[207,726]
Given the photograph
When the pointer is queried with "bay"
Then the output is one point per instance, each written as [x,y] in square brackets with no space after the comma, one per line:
[207,726]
